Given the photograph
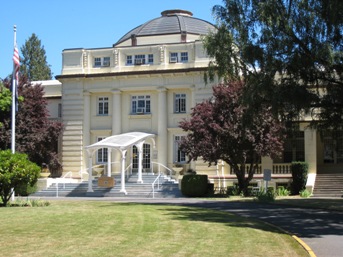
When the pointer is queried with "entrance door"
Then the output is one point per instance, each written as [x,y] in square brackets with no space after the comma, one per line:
[146,158]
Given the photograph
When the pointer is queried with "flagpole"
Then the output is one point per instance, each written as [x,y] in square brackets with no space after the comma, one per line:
[14,92]
[13,96]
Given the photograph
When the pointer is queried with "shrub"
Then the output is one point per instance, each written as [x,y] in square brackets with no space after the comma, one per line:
[194,185]
[25,190]
[233,190]
[282,191]
[29,203]
[268,196]
[305,193]
[15,171]
[299,175]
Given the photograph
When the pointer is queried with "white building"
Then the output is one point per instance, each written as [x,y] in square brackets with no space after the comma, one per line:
[148,82]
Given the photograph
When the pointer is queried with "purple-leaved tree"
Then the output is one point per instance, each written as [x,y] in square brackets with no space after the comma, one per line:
[223,128]
[36,134]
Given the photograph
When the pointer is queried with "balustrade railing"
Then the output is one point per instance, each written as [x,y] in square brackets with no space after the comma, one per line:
[282,168]
[247,168]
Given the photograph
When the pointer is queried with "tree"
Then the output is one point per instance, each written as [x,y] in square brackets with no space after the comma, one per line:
[36,134]
[15,171]
[289,53]
[33,64]
[224,128]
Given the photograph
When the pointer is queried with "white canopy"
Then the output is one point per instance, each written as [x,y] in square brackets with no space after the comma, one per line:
[122,143]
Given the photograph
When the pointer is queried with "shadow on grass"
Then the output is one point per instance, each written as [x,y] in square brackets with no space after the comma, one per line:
[303,222]
[208,215]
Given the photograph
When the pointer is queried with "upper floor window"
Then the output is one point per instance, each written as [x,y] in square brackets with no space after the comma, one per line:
[179,156]
[103,106]
[139,59]
[175,57]
[102,62]
[180,103]
[140,104]
[102,154]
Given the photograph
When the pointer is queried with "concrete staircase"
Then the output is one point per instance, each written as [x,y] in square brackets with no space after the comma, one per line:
[168,188]
[328,184]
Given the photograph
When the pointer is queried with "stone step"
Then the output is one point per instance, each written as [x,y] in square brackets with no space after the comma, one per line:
[328,185]
[168,188]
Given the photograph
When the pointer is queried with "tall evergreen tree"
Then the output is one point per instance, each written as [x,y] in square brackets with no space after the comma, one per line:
[33,62]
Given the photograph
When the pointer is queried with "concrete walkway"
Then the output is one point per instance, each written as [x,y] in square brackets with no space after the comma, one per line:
[321,230]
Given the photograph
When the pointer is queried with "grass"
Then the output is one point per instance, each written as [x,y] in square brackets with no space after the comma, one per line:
[331,204]
[92,228]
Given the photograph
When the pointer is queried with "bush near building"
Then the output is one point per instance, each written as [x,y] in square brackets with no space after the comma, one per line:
[299,175]
[15,171]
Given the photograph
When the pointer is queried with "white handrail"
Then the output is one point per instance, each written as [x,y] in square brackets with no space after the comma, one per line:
[157,180]
[127,174]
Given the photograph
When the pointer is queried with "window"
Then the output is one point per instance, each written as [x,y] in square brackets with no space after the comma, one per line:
[333,148]
[184,57]
[129,60]
[102,62]
[179,156]
[293,148]
[102,154]
[146,161]
[140,104]
[150,58]
[103,106]
[178,57]
[140,59]
[180,103]
[59,110]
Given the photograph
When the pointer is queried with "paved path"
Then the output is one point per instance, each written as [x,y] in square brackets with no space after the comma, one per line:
[321,230]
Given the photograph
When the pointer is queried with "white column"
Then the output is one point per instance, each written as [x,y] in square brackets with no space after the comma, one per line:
[116,112]
[116,121]
[123,157]
[310,138]
[86,123]
[140,160]
[162,126]
[90,177]
[109,162]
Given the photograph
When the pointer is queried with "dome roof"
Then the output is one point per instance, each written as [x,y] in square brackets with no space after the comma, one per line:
[171,22]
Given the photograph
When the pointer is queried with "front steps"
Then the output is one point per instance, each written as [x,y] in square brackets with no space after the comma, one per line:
[168,189]
[328,184]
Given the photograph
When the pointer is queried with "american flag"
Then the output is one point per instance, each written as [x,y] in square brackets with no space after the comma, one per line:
[16,66]
[16,62]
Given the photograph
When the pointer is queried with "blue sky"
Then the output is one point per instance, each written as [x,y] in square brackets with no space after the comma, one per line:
[63,24]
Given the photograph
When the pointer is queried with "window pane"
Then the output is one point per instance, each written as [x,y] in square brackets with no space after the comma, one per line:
[184,57]
[129,59]
[150,58]
[97,62]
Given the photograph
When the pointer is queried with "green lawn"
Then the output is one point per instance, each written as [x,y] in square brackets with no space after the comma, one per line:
[94,228]
[333,204]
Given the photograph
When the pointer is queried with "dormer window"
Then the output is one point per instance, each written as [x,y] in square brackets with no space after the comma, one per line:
[140,59]
[102,62]
[176,57]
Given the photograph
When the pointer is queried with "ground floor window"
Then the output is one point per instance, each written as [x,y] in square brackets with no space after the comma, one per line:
[102,154]
[146,161]
[179,156]
[294,148]
[333,148]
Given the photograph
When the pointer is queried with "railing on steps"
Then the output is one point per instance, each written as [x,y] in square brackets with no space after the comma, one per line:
[160,174]
[62,180]
[102,168]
